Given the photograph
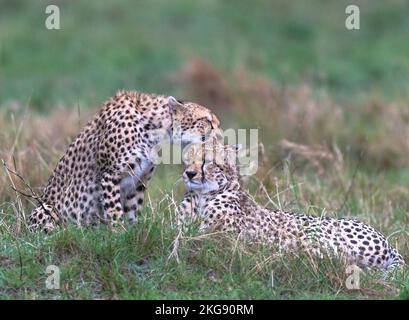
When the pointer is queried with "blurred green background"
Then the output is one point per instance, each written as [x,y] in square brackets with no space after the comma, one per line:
[110,44]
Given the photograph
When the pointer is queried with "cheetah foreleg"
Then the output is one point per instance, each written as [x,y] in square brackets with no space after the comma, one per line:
[111,191]
[133,188]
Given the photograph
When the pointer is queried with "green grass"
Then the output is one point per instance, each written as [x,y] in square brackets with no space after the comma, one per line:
[288,68]
[135,263]
[104,45]
[96,264]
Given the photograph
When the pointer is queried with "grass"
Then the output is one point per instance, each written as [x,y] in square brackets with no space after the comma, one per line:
[330,106]
[96,264]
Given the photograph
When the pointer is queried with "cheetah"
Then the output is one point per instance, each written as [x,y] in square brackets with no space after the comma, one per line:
[104,172]
[216,199]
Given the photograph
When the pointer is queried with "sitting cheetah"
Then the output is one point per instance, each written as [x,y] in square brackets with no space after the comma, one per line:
[104,171]
[217,200]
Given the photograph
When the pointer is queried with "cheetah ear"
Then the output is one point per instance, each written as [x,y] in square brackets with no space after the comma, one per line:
[173,103]
[233,150]
[239,150]
[236,147]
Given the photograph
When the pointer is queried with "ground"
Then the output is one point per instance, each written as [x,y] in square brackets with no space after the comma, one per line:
[335,138]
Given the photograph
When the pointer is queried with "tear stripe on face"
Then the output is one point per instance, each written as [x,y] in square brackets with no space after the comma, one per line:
[202,168]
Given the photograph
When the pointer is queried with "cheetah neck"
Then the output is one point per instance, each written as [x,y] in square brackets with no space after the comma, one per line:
[247,205]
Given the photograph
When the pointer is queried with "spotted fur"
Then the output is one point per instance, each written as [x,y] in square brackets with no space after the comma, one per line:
[104,172]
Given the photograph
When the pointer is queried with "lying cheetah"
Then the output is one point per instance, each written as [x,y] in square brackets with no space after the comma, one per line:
[216,198]
[104,171]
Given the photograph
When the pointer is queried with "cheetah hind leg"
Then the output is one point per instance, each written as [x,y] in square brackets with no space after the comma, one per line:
[40,220]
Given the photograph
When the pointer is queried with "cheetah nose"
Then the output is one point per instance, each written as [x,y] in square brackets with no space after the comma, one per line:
[190,174]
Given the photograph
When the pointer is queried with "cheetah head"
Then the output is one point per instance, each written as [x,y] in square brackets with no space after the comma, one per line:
[210,169]
[192,123]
